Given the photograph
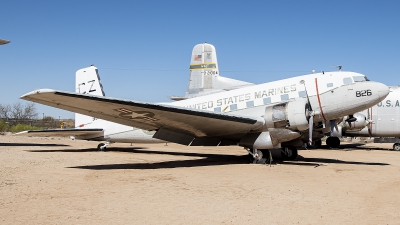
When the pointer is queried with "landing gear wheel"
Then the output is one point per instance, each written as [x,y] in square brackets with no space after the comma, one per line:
[101,147]
[289,153]
[396,146]
[333,142]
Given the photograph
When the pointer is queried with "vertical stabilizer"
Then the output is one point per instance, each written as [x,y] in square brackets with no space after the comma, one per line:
[203,69]
[204,76]
[87,81]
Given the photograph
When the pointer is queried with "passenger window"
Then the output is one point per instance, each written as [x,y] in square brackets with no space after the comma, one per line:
[285,97]
[267,101]
[233,107]
[217,109]
[302,94]
[329,85]
[347,80]
[250,104]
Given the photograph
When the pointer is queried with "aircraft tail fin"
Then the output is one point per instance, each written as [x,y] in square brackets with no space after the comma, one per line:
[205,77]
[87,81]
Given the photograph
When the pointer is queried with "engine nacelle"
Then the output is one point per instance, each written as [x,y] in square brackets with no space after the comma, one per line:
[356,125]
[292,115]
[258,141]
[268,139]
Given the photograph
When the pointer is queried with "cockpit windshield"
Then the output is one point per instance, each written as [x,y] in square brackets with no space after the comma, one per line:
[360,78]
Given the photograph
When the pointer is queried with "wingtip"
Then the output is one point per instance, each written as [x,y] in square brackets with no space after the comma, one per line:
[38,91]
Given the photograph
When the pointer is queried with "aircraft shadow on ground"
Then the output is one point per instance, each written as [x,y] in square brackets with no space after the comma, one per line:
[318,161]
[32,144]
[355,147]
[132,149]
[209,160]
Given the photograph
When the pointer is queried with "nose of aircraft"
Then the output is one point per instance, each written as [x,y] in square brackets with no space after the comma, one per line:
[381,89]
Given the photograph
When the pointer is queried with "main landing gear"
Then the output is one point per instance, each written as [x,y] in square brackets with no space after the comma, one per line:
[333,142]
[396,146]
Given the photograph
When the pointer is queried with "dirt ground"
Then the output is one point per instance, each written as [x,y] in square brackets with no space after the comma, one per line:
[61,181]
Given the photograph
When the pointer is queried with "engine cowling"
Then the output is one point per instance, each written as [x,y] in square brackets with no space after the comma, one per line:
[292,115]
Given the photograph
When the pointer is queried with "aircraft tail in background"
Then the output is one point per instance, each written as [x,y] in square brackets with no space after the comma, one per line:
[87,81]
[204,78]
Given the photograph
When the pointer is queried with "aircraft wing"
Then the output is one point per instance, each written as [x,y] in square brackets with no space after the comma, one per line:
[77,133]
[148,116]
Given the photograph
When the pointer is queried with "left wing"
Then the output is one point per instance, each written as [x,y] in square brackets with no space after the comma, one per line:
[84,134]
[169,119]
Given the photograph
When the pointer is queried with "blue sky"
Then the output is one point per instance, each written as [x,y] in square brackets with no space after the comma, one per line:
[143,48]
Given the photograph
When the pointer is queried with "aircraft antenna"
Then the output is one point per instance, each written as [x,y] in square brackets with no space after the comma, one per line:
[339,67]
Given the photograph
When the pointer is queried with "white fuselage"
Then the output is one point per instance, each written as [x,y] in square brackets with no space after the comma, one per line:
[322,89]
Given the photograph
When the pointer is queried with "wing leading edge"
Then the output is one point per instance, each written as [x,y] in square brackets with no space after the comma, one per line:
[148,116]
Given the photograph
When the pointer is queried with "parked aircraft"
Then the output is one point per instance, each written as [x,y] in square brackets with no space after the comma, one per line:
[381,120]
[265,116]
[203,80]
[3,42]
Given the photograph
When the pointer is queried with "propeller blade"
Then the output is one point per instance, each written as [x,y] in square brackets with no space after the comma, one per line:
[369,130]
[310,128]
[333,125]
[352,119]
[369,123]
[336,128]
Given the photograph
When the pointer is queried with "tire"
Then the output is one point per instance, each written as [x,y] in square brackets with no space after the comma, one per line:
[336,142]
[99,147]
[333,142]
[396,146]
[329,142]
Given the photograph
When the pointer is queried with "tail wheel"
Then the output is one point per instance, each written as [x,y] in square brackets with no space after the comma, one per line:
[396,146]
[101,147]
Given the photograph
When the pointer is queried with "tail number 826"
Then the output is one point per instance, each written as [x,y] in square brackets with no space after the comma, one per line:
[363,93]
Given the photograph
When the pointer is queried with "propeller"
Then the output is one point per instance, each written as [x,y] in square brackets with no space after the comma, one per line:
[369,123]
[333,126]
[310,114]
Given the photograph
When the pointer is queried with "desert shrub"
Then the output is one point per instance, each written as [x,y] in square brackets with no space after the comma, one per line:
[4,127]
[21,127]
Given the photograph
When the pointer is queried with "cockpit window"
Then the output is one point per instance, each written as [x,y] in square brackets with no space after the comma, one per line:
[359,78]
[347,80]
